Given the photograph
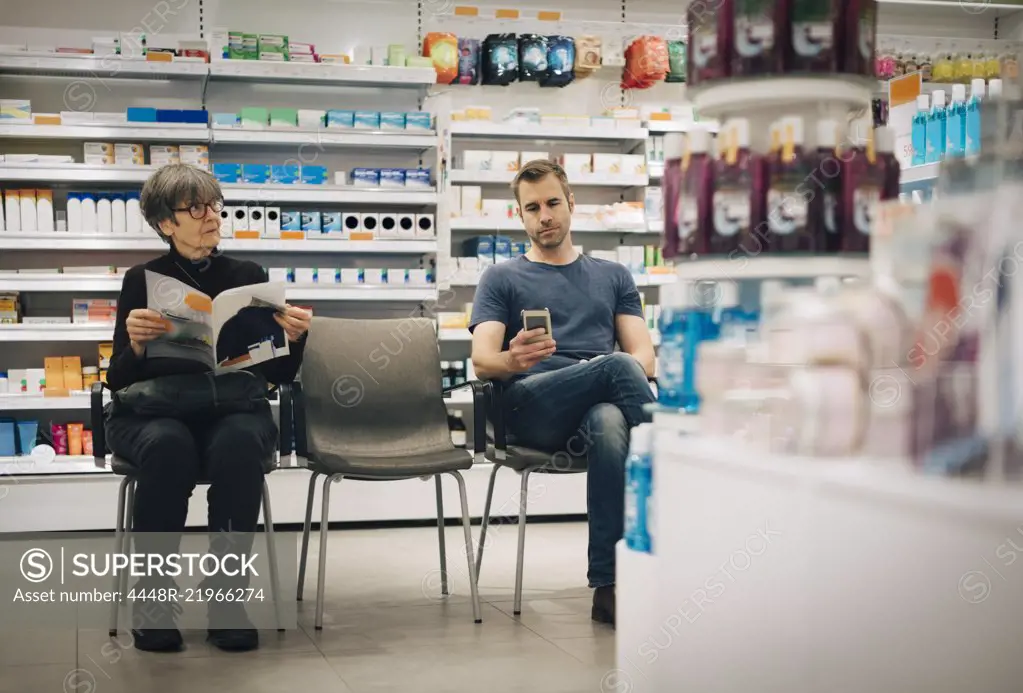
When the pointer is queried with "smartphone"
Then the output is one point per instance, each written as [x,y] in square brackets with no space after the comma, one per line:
[532,319]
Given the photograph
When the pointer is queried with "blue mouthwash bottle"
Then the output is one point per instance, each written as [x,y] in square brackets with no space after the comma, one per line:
[683,325]
[973,117]
[955,123]
[639,489]
[936,136]
[923,107]
[728,318]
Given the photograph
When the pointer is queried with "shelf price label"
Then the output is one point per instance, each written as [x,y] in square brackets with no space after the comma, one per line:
[548,16]
[506,14]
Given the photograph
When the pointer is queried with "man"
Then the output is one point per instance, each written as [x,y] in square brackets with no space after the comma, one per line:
[568,392]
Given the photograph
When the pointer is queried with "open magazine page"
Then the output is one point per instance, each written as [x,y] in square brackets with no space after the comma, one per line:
[244,330]
[188,315]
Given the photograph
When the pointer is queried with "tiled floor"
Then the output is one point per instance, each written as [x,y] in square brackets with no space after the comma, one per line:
[386,628]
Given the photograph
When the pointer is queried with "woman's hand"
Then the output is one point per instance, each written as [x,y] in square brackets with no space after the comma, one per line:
[295,322]
[144,326]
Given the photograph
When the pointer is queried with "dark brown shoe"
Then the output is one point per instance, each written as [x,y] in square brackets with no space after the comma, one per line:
[604,605]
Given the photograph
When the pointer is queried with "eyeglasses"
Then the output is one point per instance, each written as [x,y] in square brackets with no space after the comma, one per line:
[198,211]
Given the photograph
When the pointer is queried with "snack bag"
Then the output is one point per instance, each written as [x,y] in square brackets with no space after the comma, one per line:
[532,57]
[468,61]
[676,61]
[443,49]
[646,62]
[587,55]
[500,59]
[560,62]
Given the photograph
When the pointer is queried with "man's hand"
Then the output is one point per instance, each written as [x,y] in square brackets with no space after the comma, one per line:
[523,353]
[144,326]
[295,322]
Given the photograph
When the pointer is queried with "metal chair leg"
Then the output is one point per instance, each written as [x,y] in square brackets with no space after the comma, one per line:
[305,533]
[466,524]
[486,519]
[129,524]
[322,567]
[118,536]
[440,536]
[271,553]
[522,542]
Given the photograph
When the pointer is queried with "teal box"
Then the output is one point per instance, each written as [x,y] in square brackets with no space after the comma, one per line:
[311,222]
[418,120]
[391,120]
[340,119]
[291,220]
[284,175]
[332,223]
[255,173]
[367,120]
[226,119]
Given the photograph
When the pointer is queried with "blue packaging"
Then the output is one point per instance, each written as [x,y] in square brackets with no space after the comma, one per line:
[532,57]
[331,223]
[560,62]
[255,173]
[919,131]
[311,222]
[314,175]
[468,61]
[481,247]
[169,115]
[417,178]
[392,120]
[500,59]
[340,119]
[226,119]
[8,438]
[418,120]
[366,177]
[291,220]
[936,135]
[502,248]
[639,489]
[194,116]
[28,431]
[519,248]
[367,120]
[392,178]
[683,325]
[227,173]
[972,118]
[955,123]
[284,175]
[137,114]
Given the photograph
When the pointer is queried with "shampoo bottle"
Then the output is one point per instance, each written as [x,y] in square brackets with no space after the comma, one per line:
[936,137]
[955,122]
[860,23]
[758,45]
[788,194]
[74,212]
[104,214]
[884,138]
[814,36]
[919,130]
[671,185]
[733,191]
[862,184]
[133,213]
[973,118]
[710,41]
[696,196]
[88,213]
[825,206]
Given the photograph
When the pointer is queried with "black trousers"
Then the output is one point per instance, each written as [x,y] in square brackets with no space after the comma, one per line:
[173,455]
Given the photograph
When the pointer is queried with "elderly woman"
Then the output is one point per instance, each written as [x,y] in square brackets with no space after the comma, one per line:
[183,204]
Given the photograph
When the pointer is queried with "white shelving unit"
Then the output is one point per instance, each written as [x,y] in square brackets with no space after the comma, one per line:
[130,132]
[495,225]
[751,268]
[74,173]
[322,74]
[576,179]
[327,137]
[67,241]
[326,194]
[56,333]
[529,131]
[98,67]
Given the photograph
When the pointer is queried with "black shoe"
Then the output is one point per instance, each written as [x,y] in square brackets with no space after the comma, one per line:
[242,637]
[603,610]
[154,628]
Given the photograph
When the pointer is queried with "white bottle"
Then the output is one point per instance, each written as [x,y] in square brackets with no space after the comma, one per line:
[117,213]
[88,213]
[44,211]
[994,89]
[133,214]
[104,220]
[28,211]
[2,228]
[13,202]
[74,212]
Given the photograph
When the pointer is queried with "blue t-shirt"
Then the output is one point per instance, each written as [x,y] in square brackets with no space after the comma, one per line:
[583,297]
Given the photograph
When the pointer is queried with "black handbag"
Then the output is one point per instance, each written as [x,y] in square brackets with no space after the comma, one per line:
[193,395]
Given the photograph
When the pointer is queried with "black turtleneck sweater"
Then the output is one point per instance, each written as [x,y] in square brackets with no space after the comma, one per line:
[218,275]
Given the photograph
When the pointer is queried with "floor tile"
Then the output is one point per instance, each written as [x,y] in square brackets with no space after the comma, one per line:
[557,618]
[37,645]
[598,651]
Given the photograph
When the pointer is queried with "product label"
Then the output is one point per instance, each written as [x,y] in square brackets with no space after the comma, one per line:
[813,27]
[731,211]
[688,217]
[754,27]
[865,200]
[786,212]
[705,43]
[458,439]
[831,212]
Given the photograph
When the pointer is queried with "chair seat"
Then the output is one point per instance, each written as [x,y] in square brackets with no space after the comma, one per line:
[124,467]
[518,457]
[398,467]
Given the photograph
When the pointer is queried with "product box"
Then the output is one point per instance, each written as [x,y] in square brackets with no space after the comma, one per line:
[332,225]
[390,120]
[418,120]
[370,226]
[504,161]
[16,109]
[608,164]
[576,163]
[129,154]
[314,175]
[418,178]
[280,275]
[340,119]
[255,173]
[396,276]
[99,149]
[195,154]
[72,372]
[502,249]
[257,221]
[367,120]
[373,275]
[351,223]
[392,178]
[388,225]
[137,114]
[255,117]
[227,222]
[305,275]
[526,157]
[633,164]
[311,222]
[311,119]
[499,209]
[272,43]
[272,57]
[284,117]
[476,160]
[424,226]
[406,225]
[480,247]
[227,173]
[366,177]
[164,154]
[240,222]
[226,119]
[519,248]
[284,175]
[472,201]
[414,277]
[350,275]
[54,369]
[291,220]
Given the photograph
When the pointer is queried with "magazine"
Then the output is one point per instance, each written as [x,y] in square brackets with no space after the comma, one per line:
[235,330]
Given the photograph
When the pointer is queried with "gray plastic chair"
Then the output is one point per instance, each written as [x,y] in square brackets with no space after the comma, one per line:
[370,407]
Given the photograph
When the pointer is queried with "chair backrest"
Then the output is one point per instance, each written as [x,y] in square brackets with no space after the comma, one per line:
[373,388]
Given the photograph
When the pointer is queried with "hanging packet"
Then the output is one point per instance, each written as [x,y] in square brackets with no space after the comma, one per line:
[468,61]
[500,59]
[587,55]
[676,61]
[442,49]
[560,62]
[532,57]
[646,62]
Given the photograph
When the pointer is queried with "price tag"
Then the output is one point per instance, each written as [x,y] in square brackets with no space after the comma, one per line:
[506,14]
[466,11]
[548,16]
[904,90]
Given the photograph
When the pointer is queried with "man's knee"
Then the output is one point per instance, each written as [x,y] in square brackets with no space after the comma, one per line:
[242,442]
[166,448]
[603,426]
[622,365]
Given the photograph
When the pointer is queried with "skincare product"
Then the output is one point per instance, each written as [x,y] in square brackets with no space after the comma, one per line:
[919,129]
[696,195]
[936,135]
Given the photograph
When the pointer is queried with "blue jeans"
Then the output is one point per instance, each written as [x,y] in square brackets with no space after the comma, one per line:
[586,409]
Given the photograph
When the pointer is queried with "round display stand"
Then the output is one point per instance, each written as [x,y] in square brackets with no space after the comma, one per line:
[793,94]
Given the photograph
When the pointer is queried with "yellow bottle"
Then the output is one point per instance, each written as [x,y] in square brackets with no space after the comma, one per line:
[993,67]
[963,68]
[943,69]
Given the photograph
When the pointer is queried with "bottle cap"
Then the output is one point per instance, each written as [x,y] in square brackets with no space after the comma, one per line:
[995,88]
[727,294]
[133,195]
[923,102]
[641,439]
[678,294]
[796,125]
[884,140]
[939,98]
[958,92]
[699,140]
[827,134]
[741,135]
[674,145]
[977,88]
[88,196]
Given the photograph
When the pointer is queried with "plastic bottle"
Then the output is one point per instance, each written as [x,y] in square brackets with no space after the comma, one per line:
[860,37]
[732,215]
[955,123]
[884,138]
[74,212]
[104,214]
[459,435]
[919,130]
[788,193]
[936,137]
[118,216]
[862,184]
[710,41]
[44,211]
[683,324]
[639,489]
[972,141]
[824,210]
[28,211]
[133,213]
[758,38]
[671,185]
[994,89]
[814,33]
[729,320]
[88,213]
[697,194]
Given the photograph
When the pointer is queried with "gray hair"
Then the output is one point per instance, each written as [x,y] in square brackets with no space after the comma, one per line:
[173,187]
